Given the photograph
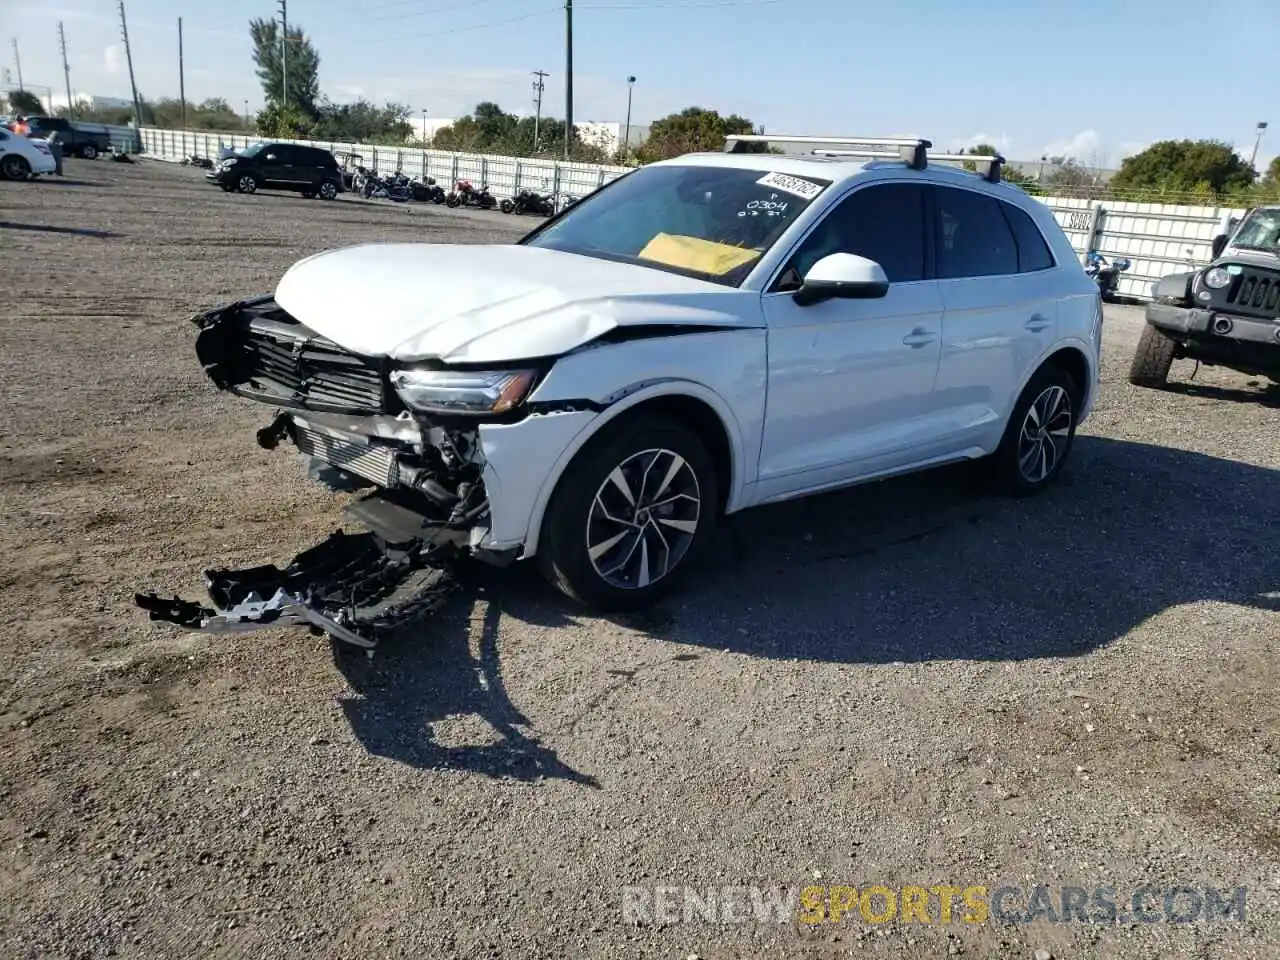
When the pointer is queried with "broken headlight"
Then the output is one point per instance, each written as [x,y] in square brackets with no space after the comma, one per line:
[463,392]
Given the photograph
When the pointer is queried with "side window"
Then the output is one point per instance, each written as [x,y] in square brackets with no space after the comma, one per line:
[1033,253]
[884,223]
[973,237]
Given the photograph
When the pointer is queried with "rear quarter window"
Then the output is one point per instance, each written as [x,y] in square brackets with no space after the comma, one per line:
[1033,251]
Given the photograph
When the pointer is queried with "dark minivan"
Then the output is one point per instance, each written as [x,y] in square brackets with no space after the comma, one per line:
[309,171]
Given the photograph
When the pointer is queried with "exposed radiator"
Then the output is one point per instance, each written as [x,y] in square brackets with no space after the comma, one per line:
[352,455]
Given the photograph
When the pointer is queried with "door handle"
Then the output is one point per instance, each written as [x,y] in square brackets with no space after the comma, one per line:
[919,337]
[1037,322]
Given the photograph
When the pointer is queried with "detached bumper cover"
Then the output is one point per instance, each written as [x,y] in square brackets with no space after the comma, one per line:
[352,587]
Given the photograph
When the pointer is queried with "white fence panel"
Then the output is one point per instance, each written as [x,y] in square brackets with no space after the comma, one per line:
[1159,239]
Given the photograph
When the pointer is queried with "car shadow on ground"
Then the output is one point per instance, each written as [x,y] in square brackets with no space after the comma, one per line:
[908,570]
[44,228]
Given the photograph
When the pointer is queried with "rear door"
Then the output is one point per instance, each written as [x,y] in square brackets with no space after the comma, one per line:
[1000,312]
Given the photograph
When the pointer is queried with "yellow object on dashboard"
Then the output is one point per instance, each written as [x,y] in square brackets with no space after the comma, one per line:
[691,253]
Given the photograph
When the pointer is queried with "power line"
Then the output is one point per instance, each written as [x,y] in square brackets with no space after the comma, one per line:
[478,26]
[425,13]
[677,6]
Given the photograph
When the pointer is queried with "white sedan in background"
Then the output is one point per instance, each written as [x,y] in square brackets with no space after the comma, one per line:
[21,157]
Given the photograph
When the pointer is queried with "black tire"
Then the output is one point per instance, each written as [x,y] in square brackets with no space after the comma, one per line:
[453,200]
[1012,470]
[327,190]
[573,520]
[14,167]
[1152,359]
[506,206]
[247,184]
[89,152]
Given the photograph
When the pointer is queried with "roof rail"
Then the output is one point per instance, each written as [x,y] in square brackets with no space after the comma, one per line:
[990,167]
[910,150]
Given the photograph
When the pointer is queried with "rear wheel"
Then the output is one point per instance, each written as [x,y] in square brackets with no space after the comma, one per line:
[1153,358]
[507,206]
[89,151]
[1039,434]
[14,167]
[327,190]
[630,514]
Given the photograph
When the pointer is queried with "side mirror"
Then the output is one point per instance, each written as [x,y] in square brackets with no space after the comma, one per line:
[842,276]
[1219,244]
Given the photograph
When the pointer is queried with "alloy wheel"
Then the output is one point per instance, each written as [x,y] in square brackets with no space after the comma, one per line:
[643,519]
[327,190]
[248,184]
[1046,431]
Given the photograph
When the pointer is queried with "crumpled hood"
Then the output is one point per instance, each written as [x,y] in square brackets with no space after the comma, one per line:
[482,303]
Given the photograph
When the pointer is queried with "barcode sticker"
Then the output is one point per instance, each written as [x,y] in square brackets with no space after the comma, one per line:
[794,185]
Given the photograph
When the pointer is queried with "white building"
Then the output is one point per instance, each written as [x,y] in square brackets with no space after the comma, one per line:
[610,136]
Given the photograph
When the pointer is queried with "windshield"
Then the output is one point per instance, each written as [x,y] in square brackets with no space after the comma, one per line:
[713,223]
[1260,231]
[253,149]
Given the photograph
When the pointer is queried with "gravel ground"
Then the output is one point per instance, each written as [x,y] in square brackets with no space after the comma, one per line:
[897,685]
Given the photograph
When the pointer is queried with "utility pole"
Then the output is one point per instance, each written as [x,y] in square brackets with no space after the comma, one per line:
[182,83]
[568,76]
[128,56]
[1262,128]
[537,101]
[284,53]
[17,62]
[66,71]
[626,136]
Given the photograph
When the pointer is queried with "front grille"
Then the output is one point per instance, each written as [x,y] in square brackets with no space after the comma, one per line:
[358,457]
[290,360]
[1254,291]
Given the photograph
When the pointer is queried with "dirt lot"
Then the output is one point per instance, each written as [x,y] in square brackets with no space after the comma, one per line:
[896,685]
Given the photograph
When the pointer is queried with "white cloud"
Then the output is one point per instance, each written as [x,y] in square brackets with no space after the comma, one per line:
[1084,146]
[112,60]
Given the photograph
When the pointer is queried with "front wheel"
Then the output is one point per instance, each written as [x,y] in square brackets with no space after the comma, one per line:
[1153,358]
[633,510]
[1039,435]
[248,184]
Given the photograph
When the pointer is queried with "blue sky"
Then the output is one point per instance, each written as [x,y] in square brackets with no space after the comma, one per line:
[1098,81]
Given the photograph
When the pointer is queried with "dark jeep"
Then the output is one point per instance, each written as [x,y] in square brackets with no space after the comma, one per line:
[1226,314]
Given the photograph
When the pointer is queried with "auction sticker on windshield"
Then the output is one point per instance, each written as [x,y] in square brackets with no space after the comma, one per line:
[794,185]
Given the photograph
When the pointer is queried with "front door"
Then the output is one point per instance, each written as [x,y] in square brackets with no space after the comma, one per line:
[851,382]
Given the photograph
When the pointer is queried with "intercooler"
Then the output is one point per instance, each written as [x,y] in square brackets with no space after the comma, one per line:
[353,455]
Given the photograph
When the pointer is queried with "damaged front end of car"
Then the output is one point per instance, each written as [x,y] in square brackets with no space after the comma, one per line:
[411,433]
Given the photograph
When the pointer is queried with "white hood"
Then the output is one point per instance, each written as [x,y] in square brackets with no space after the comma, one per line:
[483,303]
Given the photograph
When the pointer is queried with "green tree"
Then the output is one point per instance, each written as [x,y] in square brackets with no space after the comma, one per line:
[363,122]
[300,57]
[693,130]
[1009,173]
[287,123]
[1185,166]
[24,102]
[489,129]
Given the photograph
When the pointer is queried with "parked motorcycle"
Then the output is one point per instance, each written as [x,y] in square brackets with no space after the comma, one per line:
[466,194]
[527,201]
[394,187]
[1105,273]
[427,190]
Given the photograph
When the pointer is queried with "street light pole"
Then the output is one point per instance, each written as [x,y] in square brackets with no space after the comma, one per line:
[1262,128]
[424,127]
[626,134]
